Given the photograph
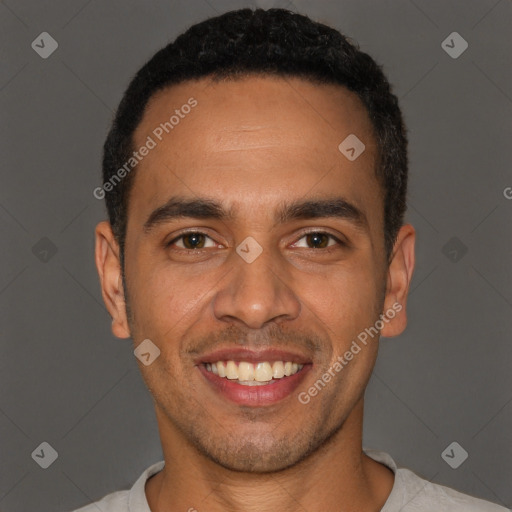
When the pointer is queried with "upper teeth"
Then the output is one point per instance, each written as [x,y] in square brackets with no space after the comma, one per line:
[260,372]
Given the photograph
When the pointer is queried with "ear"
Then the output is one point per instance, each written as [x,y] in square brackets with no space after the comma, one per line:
[109,270]
[399,275]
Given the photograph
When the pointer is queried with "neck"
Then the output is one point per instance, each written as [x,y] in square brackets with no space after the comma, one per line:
[338,476]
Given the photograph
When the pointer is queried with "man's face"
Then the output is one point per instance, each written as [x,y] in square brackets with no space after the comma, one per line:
[255,146]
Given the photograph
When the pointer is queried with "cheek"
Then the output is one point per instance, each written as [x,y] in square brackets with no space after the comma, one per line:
[163,299]
[345,300]
[349,308]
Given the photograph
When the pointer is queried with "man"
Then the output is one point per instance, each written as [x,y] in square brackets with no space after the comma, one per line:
[255,178]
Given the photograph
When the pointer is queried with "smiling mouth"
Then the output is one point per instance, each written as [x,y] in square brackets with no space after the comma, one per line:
[249,374]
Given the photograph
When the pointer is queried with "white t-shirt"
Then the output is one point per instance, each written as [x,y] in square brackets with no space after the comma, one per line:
[410,493]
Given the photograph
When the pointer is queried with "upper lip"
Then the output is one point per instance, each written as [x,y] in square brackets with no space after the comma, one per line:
[251,356]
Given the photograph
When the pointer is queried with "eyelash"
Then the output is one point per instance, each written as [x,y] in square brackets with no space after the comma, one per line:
[325,249]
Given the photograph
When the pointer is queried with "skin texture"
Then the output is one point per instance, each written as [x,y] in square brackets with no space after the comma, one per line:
[252,144]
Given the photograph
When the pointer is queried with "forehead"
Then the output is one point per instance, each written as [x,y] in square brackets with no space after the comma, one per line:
[251,142]
[286,108]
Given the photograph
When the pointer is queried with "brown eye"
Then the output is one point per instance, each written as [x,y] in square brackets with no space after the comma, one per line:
[319,240]
[190,241]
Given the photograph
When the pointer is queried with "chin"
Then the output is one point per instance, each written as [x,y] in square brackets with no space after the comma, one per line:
[264,455]
[253,461]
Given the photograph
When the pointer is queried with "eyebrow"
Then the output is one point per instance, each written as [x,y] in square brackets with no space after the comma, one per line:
[203,208]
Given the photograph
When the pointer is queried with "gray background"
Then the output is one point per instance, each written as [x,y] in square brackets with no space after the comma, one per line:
[66,380]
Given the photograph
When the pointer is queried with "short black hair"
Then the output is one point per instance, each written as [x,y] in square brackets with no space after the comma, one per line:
[274,42]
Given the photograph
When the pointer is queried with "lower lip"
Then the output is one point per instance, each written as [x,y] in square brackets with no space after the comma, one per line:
[255,395]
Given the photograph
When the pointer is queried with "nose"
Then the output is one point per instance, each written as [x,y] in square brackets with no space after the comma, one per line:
[256,293]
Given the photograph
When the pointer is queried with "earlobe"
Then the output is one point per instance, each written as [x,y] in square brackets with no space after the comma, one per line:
[109,271]
[120,328]
[399,277]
